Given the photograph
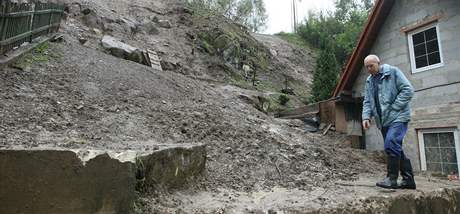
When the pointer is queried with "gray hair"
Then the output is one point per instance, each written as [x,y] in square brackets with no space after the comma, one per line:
[372,57]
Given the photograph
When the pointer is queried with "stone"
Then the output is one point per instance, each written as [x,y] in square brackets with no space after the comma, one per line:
[74,9]
[85,10]
[164,23]
[247,68]
[92,20]
[131,25]
[168,66]
[149,28]
[82,40]
[116,47]
[125,51]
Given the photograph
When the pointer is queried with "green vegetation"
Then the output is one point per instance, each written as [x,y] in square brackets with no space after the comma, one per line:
[275,103]
[325,75]
[283,99]
[335,33]
[249,13]
[294,39]
[40,54]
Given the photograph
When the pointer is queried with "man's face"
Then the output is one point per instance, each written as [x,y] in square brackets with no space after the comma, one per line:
[372,66]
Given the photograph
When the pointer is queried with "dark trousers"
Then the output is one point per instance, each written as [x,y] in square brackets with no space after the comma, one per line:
[393,136]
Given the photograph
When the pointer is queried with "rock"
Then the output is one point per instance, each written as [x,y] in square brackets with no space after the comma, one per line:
[168,66]
[85,10]
[164,23]
[222,41]
[154,19]
[273,52]
[116,47]
[82,40]
[130,25]
[92,20]
[137,56]
[74,9]
[149,28]
[125,51]
[228,149]
[185,20]
[247,68]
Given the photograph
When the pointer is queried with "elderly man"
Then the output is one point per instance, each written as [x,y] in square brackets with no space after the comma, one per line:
[387,97]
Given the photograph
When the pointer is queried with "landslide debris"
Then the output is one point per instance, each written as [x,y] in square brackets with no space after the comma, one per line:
[81,96]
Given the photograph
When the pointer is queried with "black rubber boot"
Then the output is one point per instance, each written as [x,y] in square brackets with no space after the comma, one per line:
[391,181]
[407,175]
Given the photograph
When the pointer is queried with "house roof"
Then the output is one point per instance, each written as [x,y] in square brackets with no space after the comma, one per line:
[371,30]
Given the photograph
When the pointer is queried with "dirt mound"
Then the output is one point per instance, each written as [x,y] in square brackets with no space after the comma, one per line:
[74,94]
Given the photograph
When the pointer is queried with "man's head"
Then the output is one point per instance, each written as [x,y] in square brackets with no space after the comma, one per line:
[372,64]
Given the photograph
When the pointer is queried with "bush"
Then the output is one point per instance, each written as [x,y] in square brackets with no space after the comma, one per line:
[283,99]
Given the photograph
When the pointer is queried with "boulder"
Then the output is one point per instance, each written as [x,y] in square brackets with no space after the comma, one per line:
[116,47]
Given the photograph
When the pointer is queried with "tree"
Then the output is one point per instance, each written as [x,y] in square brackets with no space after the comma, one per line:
[250,13]
[325,75]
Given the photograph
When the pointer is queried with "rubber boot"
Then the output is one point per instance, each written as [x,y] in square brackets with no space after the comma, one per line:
[391,181]
[407,175]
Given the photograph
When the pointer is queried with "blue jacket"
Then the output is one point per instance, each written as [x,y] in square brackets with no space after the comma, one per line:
[395,93]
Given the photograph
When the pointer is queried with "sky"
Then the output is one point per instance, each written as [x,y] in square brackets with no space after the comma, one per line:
[279,12]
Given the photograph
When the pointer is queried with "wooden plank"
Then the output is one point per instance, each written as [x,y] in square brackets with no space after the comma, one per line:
[327,129]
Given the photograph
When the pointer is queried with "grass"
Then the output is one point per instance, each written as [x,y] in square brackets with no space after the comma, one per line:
[39,55]
[294,39]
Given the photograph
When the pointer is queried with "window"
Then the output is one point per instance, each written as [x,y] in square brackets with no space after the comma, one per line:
[440,150]
[425,49]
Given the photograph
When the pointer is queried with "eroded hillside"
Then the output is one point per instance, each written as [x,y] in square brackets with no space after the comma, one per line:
[77,95]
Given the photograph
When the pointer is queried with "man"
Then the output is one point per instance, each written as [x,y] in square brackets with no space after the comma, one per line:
[387,97]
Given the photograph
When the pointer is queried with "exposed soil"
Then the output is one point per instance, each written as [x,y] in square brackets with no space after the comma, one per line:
[84,97]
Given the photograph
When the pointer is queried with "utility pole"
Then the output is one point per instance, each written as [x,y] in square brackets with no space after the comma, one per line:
[295,15]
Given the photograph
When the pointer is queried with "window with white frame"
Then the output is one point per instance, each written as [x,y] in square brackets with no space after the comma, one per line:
[439,150]
[425,48]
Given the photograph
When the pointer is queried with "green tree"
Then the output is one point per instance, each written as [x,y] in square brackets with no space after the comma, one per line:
[250,13]
[325,75]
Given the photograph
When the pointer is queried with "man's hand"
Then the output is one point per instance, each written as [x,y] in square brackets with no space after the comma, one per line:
[366,124]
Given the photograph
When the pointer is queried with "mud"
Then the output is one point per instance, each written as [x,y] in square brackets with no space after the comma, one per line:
[82,97]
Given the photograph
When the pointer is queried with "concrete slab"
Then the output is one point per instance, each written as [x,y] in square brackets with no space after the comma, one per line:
[54,180]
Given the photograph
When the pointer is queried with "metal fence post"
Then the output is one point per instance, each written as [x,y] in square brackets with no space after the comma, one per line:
[49,5]
[4,24]
[31,22]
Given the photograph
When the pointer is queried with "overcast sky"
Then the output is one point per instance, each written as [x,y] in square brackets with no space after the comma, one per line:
[279,12]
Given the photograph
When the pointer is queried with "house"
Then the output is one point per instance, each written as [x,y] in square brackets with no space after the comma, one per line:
[421,37]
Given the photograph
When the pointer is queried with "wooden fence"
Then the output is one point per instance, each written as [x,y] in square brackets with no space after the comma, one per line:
[21,23]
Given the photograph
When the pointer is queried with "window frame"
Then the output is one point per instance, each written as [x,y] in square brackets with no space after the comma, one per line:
[411,49]
[420,133]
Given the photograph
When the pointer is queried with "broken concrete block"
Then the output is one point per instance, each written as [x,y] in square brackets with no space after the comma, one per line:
[51,181]
[80,181]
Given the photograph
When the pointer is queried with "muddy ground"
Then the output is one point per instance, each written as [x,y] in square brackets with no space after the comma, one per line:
[72,94]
